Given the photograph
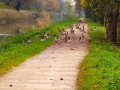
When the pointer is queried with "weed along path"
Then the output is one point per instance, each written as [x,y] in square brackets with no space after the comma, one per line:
[56,68]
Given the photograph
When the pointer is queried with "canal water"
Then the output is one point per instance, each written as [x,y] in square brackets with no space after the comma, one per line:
[12,28]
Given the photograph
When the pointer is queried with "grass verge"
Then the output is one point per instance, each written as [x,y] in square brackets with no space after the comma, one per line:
[14,51]
[100,70]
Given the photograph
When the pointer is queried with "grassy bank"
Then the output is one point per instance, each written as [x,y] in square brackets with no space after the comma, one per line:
[14,50]
[100,70]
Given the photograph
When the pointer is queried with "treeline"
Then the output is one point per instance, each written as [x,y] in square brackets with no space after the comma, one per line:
[106,12]
[42,11]
[38,7]
[47,5]
[24,4]
[78,7]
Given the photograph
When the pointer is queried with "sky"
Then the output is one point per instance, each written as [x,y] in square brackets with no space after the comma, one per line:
[73,3]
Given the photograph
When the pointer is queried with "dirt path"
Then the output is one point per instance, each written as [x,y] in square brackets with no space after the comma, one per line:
[56,68]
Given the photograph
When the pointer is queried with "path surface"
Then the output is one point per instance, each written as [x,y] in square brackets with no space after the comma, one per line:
[56,68]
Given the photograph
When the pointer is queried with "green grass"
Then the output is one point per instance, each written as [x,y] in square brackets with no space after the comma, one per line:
[100,69]
[14,51]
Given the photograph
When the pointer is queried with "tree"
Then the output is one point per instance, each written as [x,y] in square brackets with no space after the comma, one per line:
[52,6]
[112,13]
[24,4]
[18,5]
[78,6]
[61,6]
[69,7]
[106,12]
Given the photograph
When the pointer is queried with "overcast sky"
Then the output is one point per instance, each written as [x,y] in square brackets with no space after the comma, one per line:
[73,3]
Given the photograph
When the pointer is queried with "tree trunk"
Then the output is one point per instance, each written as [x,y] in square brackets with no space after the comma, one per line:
[87,12]
[112,26]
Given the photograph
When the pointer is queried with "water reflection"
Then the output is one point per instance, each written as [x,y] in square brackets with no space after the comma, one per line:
[15,27]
